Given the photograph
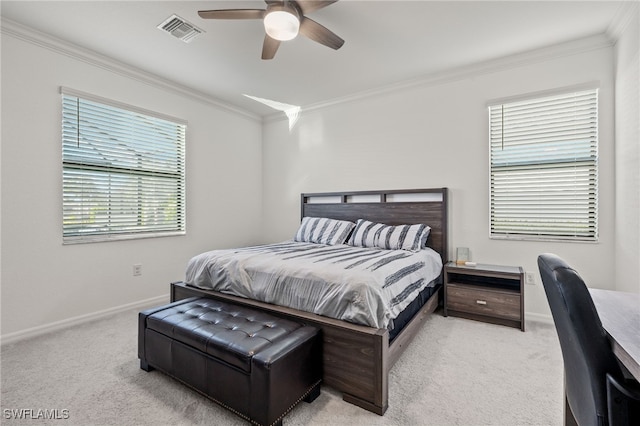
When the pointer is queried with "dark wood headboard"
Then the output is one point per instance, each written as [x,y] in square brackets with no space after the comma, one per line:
[392,207]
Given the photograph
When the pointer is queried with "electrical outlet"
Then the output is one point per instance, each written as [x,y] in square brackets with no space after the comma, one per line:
[529,278]
[137,270]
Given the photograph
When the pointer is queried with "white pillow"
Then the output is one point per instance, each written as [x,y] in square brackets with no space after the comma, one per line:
[323,230]
[400,237]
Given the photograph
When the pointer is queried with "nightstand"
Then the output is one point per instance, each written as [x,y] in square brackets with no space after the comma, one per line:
[489,293]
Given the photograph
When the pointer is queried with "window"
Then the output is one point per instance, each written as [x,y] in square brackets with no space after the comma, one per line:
[123,171]
[544,176]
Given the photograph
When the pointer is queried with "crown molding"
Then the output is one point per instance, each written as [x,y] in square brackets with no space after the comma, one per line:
[54,44]
[574,47]
[622,19]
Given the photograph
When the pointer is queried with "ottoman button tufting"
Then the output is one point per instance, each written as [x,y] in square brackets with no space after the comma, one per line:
[260,376]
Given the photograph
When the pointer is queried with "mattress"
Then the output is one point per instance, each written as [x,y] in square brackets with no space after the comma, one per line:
[367,286]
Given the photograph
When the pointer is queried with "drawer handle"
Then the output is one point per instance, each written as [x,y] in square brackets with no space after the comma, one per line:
[481,302]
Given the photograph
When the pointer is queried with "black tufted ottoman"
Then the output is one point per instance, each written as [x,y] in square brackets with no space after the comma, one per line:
[255,364]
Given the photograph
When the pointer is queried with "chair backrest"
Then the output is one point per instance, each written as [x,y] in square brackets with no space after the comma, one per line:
[586,350]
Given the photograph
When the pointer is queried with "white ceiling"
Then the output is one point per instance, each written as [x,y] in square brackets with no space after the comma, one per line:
[386,42]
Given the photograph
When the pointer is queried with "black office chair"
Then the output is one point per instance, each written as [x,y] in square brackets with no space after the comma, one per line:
[586,351]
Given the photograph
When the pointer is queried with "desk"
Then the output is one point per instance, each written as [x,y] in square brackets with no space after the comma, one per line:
[620,316]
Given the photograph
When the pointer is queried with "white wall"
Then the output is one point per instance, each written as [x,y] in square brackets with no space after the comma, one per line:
[436,134]
[437,131]
[44,282]
[627,107]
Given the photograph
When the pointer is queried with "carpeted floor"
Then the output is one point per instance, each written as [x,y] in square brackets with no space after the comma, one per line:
[456,372]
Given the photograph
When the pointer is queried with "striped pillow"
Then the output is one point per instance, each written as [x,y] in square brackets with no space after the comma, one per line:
[323,230]
[401,237]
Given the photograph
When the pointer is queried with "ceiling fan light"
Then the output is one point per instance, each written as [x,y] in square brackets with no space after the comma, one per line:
[281,25]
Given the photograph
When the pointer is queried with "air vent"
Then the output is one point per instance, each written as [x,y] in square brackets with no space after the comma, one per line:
[179,28]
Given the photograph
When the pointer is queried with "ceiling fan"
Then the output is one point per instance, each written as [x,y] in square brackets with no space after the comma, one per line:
[283,20]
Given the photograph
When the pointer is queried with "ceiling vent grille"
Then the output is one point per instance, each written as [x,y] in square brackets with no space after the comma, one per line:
[179,28]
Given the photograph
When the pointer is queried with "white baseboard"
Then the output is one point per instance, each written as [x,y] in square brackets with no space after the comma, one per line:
[58,325]
[153,301]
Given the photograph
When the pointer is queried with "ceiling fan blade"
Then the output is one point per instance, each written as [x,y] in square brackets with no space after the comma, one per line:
[269,47]
[320,34]
[307,6]
[232,14]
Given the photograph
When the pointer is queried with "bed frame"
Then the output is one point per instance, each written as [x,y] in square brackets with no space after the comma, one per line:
[357,359]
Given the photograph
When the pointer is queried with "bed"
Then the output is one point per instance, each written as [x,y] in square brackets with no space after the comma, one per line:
[357,358]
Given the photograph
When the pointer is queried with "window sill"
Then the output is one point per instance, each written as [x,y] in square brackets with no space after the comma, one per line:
[86,239]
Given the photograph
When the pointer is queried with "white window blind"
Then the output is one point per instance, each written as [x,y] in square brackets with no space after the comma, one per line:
[544,168]
[123,171]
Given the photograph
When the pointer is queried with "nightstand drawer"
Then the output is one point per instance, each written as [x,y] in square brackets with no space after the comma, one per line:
[483,301]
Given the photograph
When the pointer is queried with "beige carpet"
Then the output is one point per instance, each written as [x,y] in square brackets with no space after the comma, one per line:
[456,372]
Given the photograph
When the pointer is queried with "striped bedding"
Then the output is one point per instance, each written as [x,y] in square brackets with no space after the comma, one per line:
[368,286]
